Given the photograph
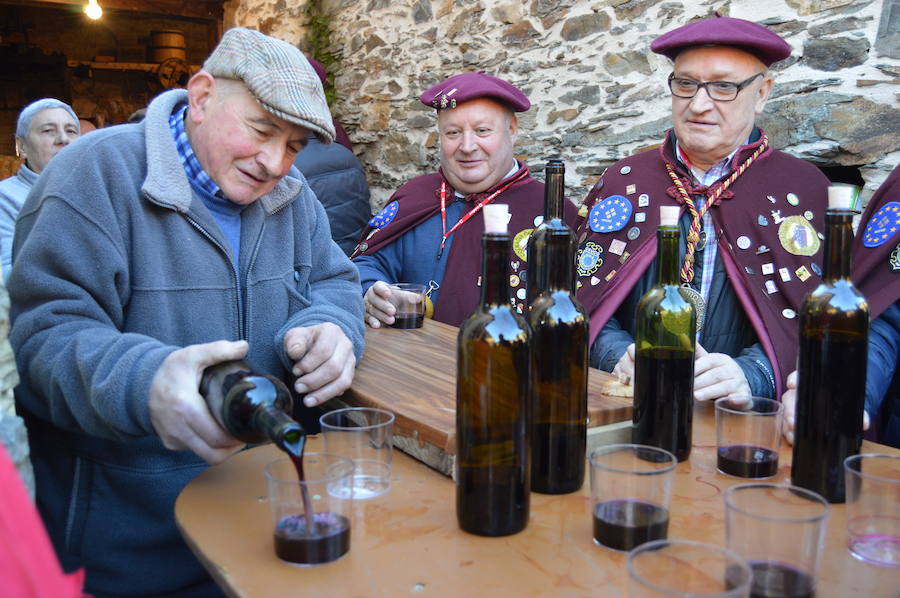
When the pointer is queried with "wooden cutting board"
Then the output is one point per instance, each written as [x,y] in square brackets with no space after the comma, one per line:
[412,373]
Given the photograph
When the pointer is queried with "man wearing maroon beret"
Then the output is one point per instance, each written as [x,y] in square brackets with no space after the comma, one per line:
[430,230]
[751,218]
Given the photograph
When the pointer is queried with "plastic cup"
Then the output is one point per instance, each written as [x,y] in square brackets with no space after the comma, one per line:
[873,508]
[748,436]
[779,529]
[686,569]
[311,503]
[408,299]
[364,435]
[631,486]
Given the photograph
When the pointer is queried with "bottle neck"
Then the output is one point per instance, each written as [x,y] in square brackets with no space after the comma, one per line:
[667,255]
[495,269]
[281,429]
[838,243]
[554,193]
[561,260]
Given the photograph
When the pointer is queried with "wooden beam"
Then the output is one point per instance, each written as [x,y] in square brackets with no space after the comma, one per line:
[206,10]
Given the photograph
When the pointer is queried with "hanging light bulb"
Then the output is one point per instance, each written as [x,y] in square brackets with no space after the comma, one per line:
[92,10]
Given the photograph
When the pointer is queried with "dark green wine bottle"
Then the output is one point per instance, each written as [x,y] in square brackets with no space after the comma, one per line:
[492,392]
[831,382]
[559,329]
[666,326]
[251,406]
[536,251]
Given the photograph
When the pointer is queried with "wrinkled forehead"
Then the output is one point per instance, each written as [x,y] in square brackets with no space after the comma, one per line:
[484,108]
[55,116]
[719,61]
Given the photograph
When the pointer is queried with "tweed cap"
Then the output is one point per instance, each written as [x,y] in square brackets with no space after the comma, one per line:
[469,86]
[277,74]
[755,39]
[30,111]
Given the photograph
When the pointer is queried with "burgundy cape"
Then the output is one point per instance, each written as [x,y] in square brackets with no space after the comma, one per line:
[876,269]
[754,209]
[419,199]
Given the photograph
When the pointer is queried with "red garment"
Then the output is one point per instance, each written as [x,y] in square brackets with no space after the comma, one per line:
[750,213]
[876,269]
[28,564]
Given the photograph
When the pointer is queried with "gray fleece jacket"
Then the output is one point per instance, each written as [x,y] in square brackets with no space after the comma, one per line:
[116,263]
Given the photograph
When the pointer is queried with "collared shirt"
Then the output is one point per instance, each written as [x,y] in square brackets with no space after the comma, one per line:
[195,173]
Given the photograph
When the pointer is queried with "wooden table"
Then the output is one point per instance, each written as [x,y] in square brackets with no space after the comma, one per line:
[412,373]
[407,543]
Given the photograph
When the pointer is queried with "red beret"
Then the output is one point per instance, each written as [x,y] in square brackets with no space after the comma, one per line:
[318,67]
[469,86]
[755,39]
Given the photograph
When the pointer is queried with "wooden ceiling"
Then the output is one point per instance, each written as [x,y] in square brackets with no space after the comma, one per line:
[205,10]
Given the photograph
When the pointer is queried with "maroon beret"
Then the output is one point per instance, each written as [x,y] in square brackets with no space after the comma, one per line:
[318,67]
[755,39]
[469,86]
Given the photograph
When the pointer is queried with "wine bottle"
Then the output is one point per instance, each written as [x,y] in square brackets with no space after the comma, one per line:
[665,336]
[536,251]
[492,393]
[831,383]
[559,328]
[251,406]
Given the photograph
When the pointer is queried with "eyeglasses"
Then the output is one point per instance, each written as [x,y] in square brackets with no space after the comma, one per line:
[720,91]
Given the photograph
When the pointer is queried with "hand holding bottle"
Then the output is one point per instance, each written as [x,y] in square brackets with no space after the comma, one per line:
[789,399]
[323,361]
[379,309]
[178,412]
[717,375]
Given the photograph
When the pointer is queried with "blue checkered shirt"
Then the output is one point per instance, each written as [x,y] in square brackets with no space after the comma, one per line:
[195,173]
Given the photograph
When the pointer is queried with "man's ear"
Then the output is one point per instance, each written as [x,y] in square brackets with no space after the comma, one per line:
[513,129]
[201,90]
[763,93]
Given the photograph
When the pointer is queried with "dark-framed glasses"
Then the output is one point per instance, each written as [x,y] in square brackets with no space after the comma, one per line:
[720,91]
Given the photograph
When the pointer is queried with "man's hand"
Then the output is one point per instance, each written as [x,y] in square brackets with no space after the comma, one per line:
[379,309]
[789,400]
[717,375]
[323,361]
[624,369]
[177,410]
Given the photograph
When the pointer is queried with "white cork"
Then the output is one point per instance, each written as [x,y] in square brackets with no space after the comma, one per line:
[668,215]
[496,217]
[840,197]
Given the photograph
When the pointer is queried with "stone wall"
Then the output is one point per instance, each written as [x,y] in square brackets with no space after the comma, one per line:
[598,93]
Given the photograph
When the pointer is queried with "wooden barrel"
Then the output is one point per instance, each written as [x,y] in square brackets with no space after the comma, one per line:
[167,43]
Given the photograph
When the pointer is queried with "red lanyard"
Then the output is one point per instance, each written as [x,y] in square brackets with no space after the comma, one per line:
[471,212]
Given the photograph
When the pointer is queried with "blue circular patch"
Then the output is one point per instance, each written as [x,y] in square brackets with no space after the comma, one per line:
[385,216]
[883,225]
[610,215]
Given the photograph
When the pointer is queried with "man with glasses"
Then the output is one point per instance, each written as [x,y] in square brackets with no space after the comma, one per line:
[751,218]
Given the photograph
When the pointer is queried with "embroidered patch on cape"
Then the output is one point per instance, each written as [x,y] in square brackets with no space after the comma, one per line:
[895,259]
[883,225]
[385,216]
[798,236]
[589,259]
[610,214]
[520,243]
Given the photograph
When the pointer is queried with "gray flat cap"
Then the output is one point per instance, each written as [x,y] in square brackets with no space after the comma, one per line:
[277,74]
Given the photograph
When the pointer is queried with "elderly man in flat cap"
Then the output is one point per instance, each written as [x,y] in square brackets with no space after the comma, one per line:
[185,240]
[44,127]
[430,230]
[751,218]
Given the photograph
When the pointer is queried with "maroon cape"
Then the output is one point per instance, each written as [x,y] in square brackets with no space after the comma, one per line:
[419,199]
[755,211]
[876,247]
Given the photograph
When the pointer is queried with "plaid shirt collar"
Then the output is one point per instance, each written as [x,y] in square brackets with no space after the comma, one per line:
[195,173]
